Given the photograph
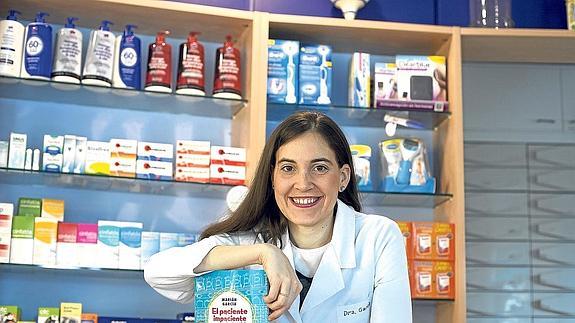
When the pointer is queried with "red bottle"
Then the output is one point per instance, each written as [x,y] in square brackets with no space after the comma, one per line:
[191,67]
[227,78]
[159,76]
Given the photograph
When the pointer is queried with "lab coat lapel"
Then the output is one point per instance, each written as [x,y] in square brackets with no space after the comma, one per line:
[288,252]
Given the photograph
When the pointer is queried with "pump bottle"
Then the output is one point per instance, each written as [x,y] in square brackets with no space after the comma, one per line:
[191,67]
[37,53]
[127,62]
[11,44]
[227,78]
[68,54]
[159,76]
[100,57]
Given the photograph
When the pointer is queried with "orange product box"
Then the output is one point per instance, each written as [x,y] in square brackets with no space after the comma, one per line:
[89,318]
[405,228]
[444,276]
[433,241]
[432,279]
[444,240]
[422,241]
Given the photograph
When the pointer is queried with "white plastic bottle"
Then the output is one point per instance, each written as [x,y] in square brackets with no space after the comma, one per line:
[68,54]
[11,45]
[99,64]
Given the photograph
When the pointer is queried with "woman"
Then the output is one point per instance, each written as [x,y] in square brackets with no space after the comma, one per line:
[302,212]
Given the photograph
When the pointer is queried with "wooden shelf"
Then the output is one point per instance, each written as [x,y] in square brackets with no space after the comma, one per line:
[518,45]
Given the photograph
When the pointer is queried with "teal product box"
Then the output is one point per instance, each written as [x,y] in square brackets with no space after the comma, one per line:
[231,296]
[315,64]
[108,244]
[283,65]
[130,251]
[150,246]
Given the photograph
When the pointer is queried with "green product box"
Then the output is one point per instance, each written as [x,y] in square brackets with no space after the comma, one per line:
[9,314]
[23,227]
[48,315]
[29,206]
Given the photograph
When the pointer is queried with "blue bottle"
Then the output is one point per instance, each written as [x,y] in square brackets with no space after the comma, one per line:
[37,58]
[127,64]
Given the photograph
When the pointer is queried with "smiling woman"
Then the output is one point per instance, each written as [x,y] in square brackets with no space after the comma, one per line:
[301,221]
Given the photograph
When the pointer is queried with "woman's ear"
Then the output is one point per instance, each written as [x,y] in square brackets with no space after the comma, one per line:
[345,173]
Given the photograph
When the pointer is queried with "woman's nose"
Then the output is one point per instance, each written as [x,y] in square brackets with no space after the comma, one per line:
[303,181]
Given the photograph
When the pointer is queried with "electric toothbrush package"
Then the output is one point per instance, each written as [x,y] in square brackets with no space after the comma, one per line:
[283,66]
[405,166]
[315,73]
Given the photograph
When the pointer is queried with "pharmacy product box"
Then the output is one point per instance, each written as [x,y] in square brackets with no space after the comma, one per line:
[421,279]
[87,240]
[69,155]
[22,243]
[6,213]
[192,174]
[89,318]
[433,241]
[185,239]
[45,235]
[213,290]
[283,71]
[405,228]
[384,79]
[150,246]
[53,145]
[9,313]
[227,175]
[123,167]
[191,160]
[97,161]
[52,163]
[422,243]
[155,151]
[156,170]
[444,239]
[80,155]
[168,240]
[17,150]
[5,239]
[130,245]
[114,319]
[232,156]
[315,64]
[108,244]
[432,279]
[359,81]
[186,317]
[70,312]
[29,206]
[123,148]
[444,276]
[4,154]
[66,246]
[53,209]
[48,315]
[421,77]
[192,147]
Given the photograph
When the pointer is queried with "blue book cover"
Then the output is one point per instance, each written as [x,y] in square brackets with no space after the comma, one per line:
[231,296]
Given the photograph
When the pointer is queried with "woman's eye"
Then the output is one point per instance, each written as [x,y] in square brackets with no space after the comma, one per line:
[287,168]
[322,169]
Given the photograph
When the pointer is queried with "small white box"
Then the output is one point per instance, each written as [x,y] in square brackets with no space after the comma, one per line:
[108,244]
[52,163]
[80,155]
[123,148]
[5,238]
[385,82]
[168,240]
[66,246]
[191,160]
[233,156]
[6,213]
[45,235]
[193,174]
[17,151]
[195,147]
[155,151]
[130,245]
[4,154]
[150,246]
[53,145]
[123,167]
[228,175]
[69,153]
[97,158]
[158,170]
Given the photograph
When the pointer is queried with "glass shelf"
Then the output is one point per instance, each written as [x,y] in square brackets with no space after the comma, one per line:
[109,183]
[126,99]
[360,117]
[417,200]
[76,271]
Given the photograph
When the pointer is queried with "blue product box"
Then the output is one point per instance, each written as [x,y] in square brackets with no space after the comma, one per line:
[315,74]
[283,65]
[185,239]
[231,296]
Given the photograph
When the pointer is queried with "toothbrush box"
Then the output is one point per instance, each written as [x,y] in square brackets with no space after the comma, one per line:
[359,78]
[315,73]
[283,67]
[421,77]
[232,296]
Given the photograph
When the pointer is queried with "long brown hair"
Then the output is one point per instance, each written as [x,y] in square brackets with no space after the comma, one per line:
[259,212]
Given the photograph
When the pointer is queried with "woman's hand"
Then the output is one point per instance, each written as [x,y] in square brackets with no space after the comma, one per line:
[284,284]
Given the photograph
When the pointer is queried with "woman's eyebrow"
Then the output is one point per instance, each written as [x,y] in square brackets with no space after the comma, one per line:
[287,160]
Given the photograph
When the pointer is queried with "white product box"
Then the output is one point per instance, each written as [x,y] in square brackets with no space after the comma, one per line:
[385,82]
[66,246]
[130,245]
[185,239]
[108,244]
[22,243]
[193,147]
[80,155]
[421,77]
[6,213]
[192,160]
[52,163]
[123,167]
[97,158]
[155,151]
[69,153]
[193,174]
[229,175]
[150,246]
[53,145]
[87,244]
[158,170]
[233,156]
[5,238]
[123,148]
[359,78]
[168,240]
[45,235]
[4,154]
[17,151]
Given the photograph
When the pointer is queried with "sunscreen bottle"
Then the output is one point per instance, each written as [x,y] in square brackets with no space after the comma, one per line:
[100,56]
[227,81]
[11,44]
[159,76]
[37,56]
[191,67]
[127,62]
[68,55]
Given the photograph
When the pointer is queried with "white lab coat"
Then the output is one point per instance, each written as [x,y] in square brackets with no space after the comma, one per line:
[362,276]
